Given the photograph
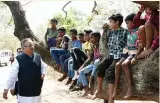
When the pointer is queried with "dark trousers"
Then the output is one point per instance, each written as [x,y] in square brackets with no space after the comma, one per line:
[16,88]
[107,67]
[79,57]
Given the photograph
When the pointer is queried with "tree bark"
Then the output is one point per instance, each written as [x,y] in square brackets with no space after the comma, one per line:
[151,4]
[22,29]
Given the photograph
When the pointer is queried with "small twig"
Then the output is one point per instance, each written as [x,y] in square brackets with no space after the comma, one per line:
[26,3]
[10,20]
[94,7]
[64,7]
[90,19]
[93,11]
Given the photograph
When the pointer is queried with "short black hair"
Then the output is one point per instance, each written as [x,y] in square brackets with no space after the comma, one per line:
[88,31]
[117,17]
[62,29]
[96,34]
[155,12]
[73,31]
[81,34]
[130,17]
[18,49]
[54,20]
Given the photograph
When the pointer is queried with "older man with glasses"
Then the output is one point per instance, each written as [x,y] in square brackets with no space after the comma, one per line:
[29,69]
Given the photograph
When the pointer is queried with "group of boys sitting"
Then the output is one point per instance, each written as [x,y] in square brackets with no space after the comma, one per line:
[78,55]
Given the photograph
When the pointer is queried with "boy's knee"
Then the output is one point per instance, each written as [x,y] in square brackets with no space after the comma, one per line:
[81,72]
[141,29]
[124,65]
[59,39]
[118,65]
[148,24]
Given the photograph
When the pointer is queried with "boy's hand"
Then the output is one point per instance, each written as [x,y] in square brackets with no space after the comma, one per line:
[145,53]
[78,72]
[133,61]
[42,76]
[5,93]
[12,92]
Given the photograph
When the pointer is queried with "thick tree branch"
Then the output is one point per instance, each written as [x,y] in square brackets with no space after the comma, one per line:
[22,29]
[151,4]
[64,7]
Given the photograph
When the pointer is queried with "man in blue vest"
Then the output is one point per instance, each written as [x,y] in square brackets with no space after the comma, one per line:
[30,71]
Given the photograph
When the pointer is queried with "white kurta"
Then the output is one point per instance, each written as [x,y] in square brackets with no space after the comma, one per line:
[13,75]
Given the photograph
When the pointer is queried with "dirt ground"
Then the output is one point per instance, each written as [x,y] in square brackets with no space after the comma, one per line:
[56,92]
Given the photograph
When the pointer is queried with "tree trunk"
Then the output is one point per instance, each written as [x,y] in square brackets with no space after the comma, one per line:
[22,29]
[145,72]
[151,4]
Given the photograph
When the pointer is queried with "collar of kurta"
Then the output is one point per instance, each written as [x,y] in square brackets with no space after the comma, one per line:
[27,55]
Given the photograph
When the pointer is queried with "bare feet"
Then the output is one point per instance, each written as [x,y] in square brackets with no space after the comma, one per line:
[111,100]
[96,94]
[87,91]
[115,92]
[128,94]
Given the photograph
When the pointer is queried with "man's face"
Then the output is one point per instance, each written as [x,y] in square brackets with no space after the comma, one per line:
[53,24]
[28,47]
[86,37]
[129,24]
[113,24]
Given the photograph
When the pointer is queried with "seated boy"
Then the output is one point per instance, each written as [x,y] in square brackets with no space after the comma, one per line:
[71,62]
[129,53]
[95,58]
[75,43]
[117,39]
[148,32]
[80,56]
[66,45]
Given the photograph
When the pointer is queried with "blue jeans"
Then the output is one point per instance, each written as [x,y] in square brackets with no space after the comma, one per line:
[56,53]
[70,68]
[64,61]
[90,68]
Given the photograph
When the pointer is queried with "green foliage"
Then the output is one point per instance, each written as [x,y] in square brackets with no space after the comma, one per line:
[75,19]
[6,24]
[9,42]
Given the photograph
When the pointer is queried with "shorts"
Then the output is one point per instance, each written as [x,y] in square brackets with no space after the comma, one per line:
[107,67]
[128,56]
[52,42]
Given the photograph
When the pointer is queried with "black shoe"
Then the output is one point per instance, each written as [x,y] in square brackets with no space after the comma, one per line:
[69,81]
[77,88]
